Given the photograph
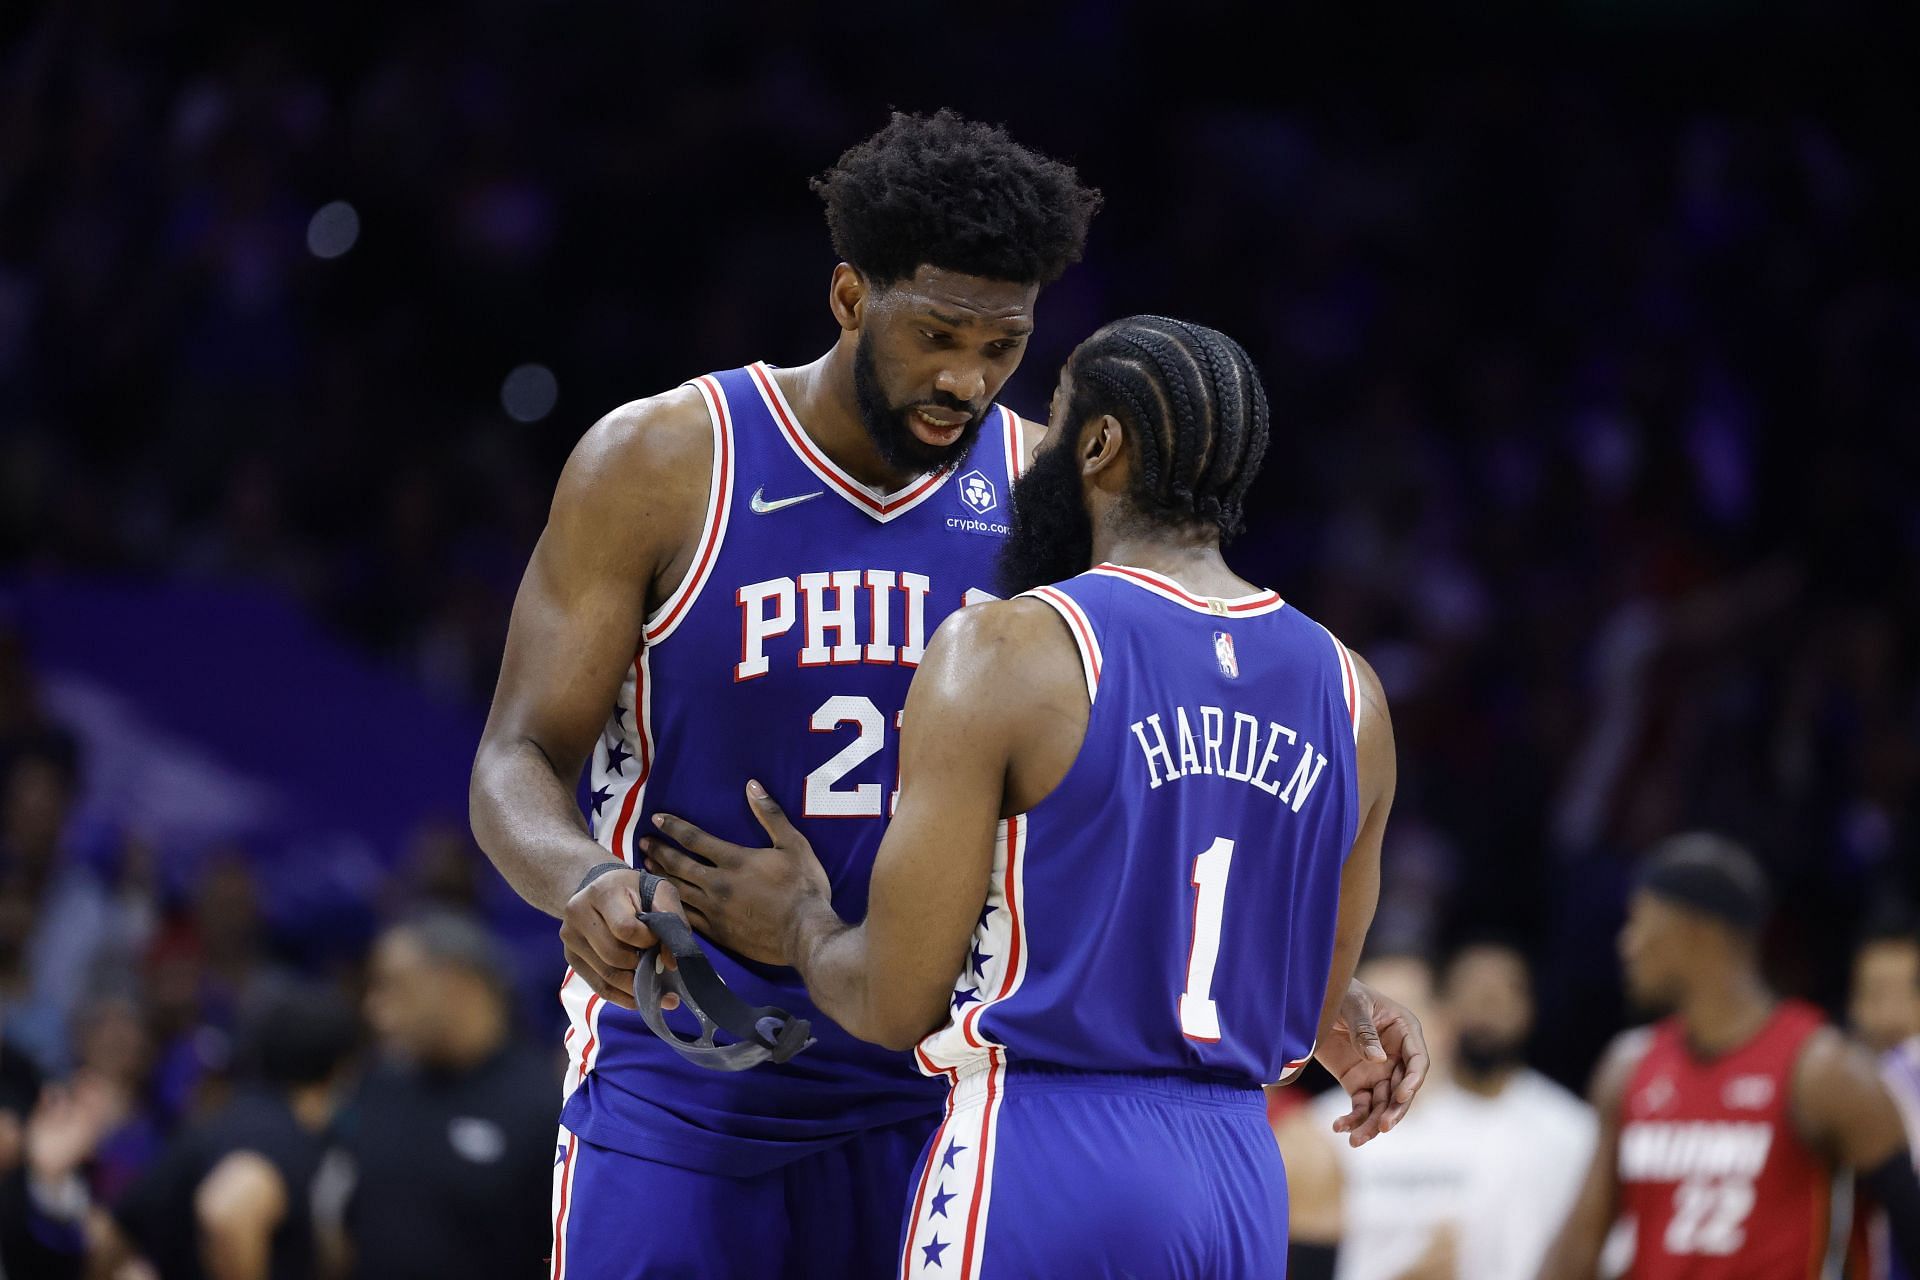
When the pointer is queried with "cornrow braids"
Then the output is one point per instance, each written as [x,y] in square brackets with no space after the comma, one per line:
[1193,402]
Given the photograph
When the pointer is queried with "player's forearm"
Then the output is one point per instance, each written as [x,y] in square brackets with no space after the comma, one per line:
[525,819]
[836,961]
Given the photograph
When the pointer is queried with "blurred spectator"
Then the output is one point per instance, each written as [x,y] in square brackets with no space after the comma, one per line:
[1885,1005]
[113,1045]
[231,1197]
[449,1144]
[1885,1012]
[1478,1177]
[73,927]
[44,1201]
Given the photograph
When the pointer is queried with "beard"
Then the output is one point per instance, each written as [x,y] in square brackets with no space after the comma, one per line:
[1484,1053]
[887,427]
[1052,532]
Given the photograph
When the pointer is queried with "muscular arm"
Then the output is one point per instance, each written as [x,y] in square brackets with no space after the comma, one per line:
[994,676]
[1360,878]
[1843,1109]
[1575,1254]
[237,1208]
[625,516]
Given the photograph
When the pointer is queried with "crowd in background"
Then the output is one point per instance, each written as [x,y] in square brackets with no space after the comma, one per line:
[1596,373]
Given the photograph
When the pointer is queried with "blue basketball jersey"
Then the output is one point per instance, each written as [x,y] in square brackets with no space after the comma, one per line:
[1171,906]
[784,656]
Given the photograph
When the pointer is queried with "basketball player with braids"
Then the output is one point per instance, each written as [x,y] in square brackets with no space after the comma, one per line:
[1722,1125]
[738,579]
[1136,852]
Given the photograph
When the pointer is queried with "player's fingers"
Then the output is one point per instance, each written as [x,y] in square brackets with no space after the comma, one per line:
[615,986]
[691,838]
[665,860]
[773,818]
[1410,1082]
[590,933]
[1376,1114]
[1362,1100]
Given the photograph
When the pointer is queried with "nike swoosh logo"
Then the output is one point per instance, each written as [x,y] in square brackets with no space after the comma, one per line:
[761,506]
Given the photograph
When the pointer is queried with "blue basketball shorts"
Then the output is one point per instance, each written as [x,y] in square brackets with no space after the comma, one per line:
[833,1215]
[1039,1171]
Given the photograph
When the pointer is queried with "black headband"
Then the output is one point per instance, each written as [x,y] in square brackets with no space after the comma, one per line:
[1709,889]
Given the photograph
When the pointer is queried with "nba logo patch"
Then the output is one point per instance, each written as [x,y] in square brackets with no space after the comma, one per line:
[1223,654]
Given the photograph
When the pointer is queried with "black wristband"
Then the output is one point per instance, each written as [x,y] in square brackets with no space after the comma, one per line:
[1897,1189]
[1311,1260]
[599,871]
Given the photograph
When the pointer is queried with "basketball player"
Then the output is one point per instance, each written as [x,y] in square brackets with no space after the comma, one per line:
[738,578]
[1722,1125]
[1136,851]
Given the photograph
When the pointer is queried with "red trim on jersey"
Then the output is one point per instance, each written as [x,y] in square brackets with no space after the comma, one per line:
[710,538]
[560,1214]
[1348,681]
[971,1020]
[1082,626]
[632,798]
[1166,586]
[926,1174]
[1016,446]
[829,469]
[593,1036]
[981,1167]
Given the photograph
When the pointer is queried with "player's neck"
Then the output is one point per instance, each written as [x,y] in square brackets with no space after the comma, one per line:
[823,399]
[1721,1015]
[1193,561]
[312,1106]
[1489,1084]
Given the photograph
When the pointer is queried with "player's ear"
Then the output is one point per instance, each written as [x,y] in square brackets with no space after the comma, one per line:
[847,296]
[1105,444]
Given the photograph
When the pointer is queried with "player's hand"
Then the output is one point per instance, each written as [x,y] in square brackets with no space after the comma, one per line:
[603,937]
[1378,1053]
[750,900]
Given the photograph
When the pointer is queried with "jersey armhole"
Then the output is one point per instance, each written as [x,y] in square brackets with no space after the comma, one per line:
[713,527]
[1349,681]
[1016,437]
[1080,628]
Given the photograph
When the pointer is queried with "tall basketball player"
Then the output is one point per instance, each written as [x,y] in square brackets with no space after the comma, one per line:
[738,578]
[1722,1125]
[1136,852]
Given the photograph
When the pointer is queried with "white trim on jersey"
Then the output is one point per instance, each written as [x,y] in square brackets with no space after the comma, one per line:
[1080,628]
[1260,602]
[713,527]
[562,1202]
[883,507]
[950,1241]
[1016,445]
[1349,680]
[996,961]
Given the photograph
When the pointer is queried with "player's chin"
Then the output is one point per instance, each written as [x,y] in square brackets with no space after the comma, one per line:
[925,450]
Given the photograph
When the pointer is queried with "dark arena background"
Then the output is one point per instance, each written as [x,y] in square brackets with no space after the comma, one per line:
[1593,342]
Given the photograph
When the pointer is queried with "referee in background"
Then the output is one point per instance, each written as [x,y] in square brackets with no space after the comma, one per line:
[444,1157]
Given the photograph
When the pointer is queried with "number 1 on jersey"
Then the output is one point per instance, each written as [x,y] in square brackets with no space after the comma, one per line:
[1199,1015]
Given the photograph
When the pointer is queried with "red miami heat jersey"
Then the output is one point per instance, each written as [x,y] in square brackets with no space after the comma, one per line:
[1713,1171]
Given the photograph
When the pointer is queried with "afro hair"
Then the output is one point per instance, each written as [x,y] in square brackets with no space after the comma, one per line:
[943,191]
